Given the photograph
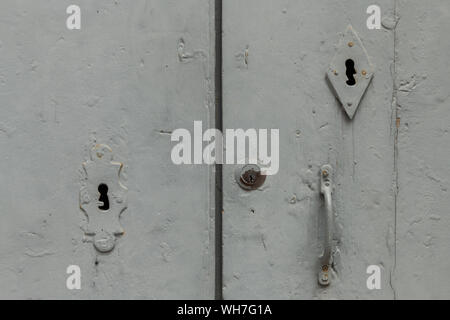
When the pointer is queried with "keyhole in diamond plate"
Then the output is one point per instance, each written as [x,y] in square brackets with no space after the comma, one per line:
[103,189]
[350,65]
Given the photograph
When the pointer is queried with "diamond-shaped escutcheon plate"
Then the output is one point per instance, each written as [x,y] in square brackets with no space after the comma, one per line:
[350,72]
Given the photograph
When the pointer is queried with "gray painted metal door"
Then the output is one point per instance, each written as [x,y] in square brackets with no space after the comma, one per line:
[134,72]
[390,162]
[137,70]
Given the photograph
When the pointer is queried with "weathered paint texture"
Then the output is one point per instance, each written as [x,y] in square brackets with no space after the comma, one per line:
[139,69]
[423,167]
[390,161]
[118,81]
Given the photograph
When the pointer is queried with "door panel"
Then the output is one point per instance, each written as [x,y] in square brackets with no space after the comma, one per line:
[276,55]
[131,75]
[423,221]
[138,70]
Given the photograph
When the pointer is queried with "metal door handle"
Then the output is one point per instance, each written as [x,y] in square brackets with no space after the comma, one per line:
[326,189]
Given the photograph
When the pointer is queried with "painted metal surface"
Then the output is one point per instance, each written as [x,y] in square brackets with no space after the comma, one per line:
[122,81]
[135,72]
[391,163]
[422,102]
[276,55]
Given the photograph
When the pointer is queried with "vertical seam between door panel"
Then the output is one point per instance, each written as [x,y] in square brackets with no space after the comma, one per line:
[218,167]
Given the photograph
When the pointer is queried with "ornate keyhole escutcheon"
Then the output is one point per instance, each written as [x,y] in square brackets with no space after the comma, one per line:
[103,197]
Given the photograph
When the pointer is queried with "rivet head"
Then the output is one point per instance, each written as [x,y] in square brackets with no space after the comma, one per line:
[364,72]
[104,241]
[351,44]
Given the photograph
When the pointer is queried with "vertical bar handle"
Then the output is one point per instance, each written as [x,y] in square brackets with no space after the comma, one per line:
[326,188]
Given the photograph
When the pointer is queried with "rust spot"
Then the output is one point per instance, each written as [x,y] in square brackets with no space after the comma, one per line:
[397,123]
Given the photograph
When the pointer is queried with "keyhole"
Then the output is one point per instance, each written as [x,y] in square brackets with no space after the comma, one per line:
[103,189]
[350,64]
